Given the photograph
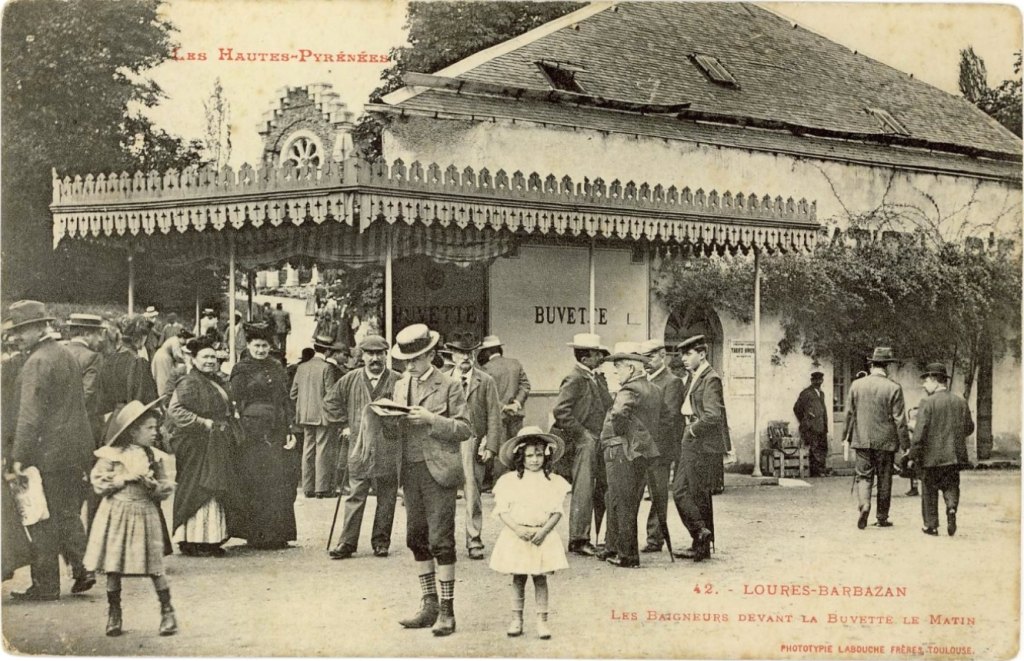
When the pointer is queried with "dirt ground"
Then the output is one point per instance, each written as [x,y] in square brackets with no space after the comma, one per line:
[298,602]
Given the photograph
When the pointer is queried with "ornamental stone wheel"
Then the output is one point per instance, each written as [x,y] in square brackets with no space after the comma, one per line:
[303,148]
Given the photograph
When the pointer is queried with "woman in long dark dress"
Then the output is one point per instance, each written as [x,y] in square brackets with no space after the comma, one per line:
[203,441]
[263,464]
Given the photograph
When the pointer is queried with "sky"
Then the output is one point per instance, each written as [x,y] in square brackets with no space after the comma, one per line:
[923,39]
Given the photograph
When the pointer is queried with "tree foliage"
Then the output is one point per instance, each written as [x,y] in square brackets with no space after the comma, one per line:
[73,79]
[1003,103]
[217,112]
[442,33]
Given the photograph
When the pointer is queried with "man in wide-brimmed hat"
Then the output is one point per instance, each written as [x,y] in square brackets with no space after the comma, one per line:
[876,426]
[53,434]
[705,440]
[812,414]
[484,406]
[940,447]
[431,435]
[373,452]
[579,412]
[628,443]
[313,379]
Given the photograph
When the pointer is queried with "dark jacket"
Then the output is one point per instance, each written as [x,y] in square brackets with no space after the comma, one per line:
[91,364]
[125,376]
[484,408]
[510,379]
[940,435]
[376,453]
[709,431]
[580,406]
[673,392]
[876,419]
[634,419]
[52,431]
[810,411]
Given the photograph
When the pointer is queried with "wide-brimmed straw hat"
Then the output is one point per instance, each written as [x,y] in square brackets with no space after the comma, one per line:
[85,321]
[587,341]
[652,345]
[128,414]
[527,434]
[414,341]
[490,342]
[22,313]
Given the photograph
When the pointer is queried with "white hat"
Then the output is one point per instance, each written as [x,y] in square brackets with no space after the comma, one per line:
[628,351]
[414,341]
[490,341]
[587,341]
[150,312]
[651,346]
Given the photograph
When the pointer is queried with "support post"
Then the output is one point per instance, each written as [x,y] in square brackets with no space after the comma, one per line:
[131,281]
[757,362]
[198,296]
[250,286]
[389,284]
[593,290]
[231,298]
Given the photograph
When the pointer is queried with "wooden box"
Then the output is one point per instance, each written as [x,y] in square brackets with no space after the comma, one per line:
[794,463]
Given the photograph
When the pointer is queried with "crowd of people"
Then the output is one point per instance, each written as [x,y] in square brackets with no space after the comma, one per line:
[105,407]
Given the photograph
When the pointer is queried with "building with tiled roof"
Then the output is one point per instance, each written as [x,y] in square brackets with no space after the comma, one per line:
[723,96]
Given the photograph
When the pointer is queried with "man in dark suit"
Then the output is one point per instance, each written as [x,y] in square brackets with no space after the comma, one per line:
[876,425]
[940,447]
[373,452]
[484,407]
[628,443]
[53,434]
[579,415]
[670,432]
[705,441]
[431,472]
[810,411]
[88,334]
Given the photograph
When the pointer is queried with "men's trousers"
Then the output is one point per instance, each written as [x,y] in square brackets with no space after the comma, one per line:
[817,444]
[868,465]
[319,458]
[691,489]
[935,479]
[430,515]
[62,533]
[626,480]
[658,470]
[474,471]
[386,489]
[587,488]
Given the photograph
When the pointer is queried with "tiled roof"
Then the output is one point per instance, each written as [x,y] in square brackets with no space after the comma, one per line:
[642,52]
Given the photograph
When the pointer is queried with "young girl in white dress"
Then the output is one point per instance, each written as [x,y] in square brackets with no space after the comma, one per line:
[128,535]
[528,500]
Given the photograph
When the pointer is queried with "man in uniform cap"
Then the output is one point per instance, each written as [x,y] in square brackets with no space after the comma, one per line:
[484,408]
[53,434]
[811,412]
[628,442]
[940,447]
[431,434]
[313,379]
[876,426]
[705,440]
[373,452]
[579,416]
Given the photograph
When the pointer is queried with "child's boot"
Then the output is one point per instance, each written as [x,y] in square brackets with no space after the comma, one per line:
[542,626]
[168,625]
[114,613]
[515,627]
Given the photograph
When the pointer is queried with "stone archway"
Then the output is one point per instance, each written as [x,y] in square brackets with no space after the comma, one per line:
[684,322]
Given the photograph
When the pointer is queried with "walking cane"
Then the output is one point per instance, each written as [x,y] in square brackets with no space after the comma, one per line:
[334,521]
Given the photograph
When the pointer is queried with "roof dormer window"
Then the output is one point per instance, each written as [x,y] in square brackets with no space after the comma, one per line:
[562,75]
[887,121]
[714,69]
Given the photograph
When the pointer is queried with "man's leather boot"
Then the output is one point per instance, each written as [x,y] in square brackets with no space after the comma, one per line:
[445,625]
[427,615]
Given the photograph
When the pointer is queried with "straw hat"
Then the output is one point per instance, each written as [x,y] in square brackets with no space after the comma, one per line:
[414,341]
[128,414]
[508,448]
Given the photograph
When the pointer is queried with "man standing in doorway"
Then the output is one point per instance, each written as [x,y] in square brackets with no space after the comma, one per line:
[876,426]
[705,441]
[812,414]
[485,418]
[282,327]
[940,447]
[313,379]
[431,435]
[579,415]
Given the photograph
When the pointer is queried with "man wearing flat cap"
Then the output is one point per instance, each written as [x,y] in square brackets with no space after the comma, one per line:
[812,414]
[431,435]
[488,433]
[940,447]
[53,434]
[313,379]
[876,426]
[705,440]
[628,442]
[373,450]
[579,416]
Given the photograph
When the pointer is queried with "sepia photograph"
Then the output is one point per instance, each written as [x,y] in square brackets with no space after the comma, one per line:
[303,302]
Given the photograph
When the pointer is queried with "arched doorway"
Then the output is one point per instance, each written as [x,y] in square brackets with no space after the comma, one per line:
[684,322]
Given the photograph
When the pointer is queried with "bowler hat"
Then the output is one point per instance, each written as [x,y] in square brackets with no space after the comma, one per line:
[527,434]
[628,351]
[462,342]
[490,342]
[588,341]
[882,355]
[128,414]
[22,313]
[697,342]
[373,343]
[327,342]
[650,346]
[85,321]
[414,341]
[817,375]
[935,369]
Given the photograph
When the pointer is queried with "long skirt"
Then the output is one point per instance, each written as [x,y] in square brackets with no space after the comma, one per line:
[266,515]
[127,535]
[207,526]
